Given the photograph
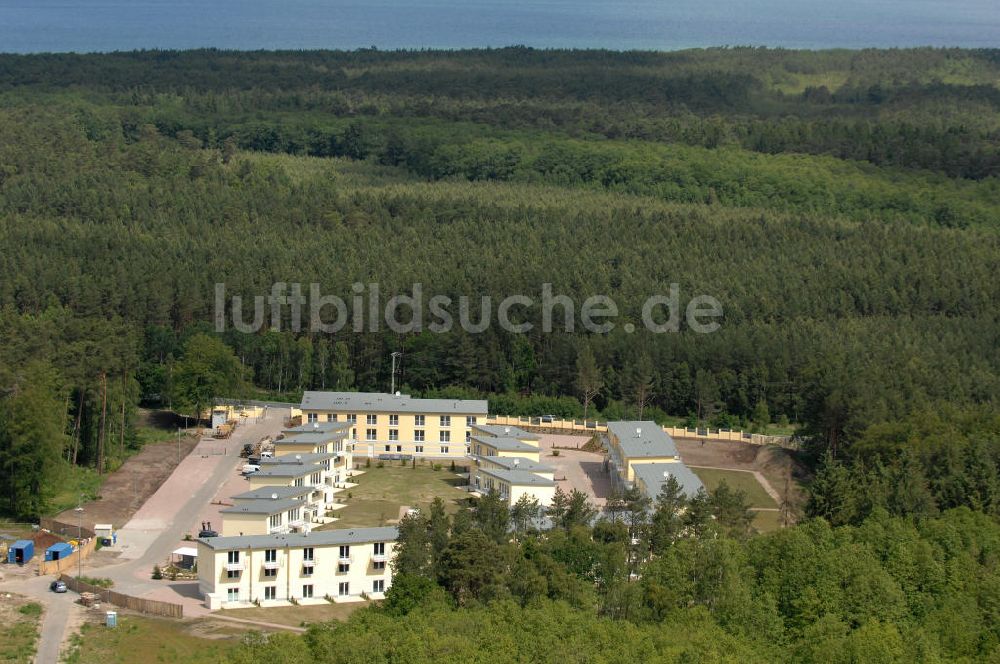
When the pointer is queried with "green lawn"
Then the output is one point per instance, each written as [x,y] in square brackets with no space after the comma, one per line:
[297,616]
[766,522]
[736,479]
[19,620]
[148,640]
[382,491]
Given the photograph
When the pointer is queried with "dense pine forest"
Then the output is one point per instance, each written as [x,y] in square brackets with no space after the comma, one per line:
[842,206]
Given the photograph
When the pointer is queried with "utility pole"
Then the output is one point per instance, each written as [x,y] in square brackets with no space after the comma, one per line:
[178,446]
[395,355]
[79,540]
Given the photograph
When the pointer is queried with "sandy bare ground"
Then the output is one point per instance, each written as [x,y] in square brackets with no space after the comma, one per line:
[576,469]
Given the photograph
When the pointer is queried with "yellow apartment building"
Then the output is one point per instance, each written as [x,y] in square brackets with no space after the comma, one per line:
[490,446]
[274,570]
[513,477]
[630,444]
[398,423]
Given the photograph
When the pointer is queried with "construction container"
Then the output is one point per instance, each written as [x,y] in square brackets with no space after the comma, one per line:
[58,551]
[21,552]
[111,619]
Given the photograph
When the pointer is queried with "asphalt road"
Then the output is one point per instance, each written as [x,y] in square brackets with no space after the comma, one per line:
[151,541]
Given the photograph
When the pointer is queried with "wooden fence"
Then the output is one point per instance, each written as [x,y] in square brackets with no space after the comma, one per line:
[46,567]
[150,607]
[554,425]
[65,530]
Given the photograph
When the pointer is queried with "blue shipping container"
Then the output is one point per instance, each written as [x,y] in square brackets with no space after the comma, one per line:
[21,552]
[58,551]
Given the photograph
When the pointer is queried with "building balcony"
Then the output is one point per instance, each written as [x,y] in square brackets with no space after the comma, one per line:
[235,567]
[345,559]
[309,563]
[271,564]
[379,558]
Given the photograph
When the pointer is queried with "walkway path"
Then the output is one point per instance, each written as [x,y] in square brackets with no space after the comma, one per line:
[758,476]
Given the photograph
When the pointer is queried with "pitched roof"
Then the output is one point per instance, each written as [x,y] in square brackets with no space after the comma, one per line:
[319,427]
[288,470]
[643,439]
[308,439]
[265,492]
[304,457]
[517,463]
[504,444]
[518,477]
[264,506]
[506,431]
[378,402]
[655,475]
[315,538]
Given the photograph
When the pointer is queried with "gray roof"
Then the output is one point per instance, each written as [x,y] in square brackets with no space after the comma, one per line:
[267,506]
[652,476]
[305,457]
[288,470]
[265,492]
[315,538]
[501,430]
[518,463]
[652,441]
[309,438]
[319,427]
[377,402]
[505,444]
[518,477]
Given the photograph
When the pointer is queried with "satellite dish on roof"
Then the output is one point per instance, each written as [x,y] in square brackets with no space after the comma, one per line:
[517,462]
[274,496]
[666,474]
[298,457]
[506,429]
[315,425]
[638,431]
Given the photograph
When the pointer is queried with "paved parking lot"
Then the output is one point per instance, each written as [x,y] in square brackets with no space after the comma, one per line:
[576,469]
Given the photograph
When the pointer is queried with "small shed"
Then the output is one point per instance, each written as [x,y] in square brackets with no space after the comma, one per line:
[21,552]
[106,534]
[58,551]
[185,557]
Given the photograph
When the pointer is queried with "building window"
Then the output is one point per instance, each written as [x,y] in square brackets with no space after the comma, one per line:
[399,448]
[352,418]
[308,553]
[394,420]
[293,514]
[232,594]
[371,434]
[343,568]
[418,435]
[275,521]
[467,449]
[388,448]
[343,589]
[444,449]
[378,564]
[270,573]
[469,420]
[378,586]
[233,557]
[331,417]
[299,481]
[312,417]
[345,552]
[419,449]
[393,434]
[468,436]
[307,591]
[316,478]
[270,592]
[270,555]
[372,419]
[446,420]
[444,436]
[378,549]
[418,420]
[232,574]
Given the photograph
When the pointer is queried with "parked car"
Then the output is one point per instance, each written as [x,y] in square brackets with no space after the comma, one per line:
[250,469]
[58,586]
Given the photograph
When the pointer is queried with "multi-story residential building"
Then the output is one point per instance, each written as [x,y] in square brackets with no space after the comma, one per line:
[511,483]
[266,516]
[505,431]
[642,454]
[650,478]
[397,423]
[490,446]
[341,565]
[632,443]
